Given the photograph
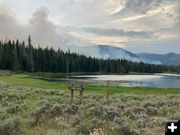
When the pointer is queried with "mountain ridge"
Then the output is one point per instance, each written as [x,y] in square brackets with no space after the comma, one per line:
[112,52]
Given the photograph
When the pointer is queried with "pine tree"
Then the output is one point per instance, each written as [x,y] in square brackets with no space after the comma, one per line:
[16,65]
[30,61]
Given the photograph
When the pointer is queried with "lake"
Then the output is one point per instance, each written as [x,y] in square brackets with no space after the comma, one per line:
[155,80]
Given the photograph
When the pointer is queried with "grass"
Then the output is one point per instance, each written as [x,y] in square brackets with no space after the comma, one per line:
[28,81]
[31,106]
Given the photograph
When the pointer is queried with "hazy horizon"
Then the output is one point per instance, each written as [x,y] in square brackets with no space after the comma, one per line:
[135,25]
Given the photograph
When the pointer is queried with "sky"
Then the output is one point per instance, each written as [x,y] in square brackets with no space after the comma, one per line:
[136,25]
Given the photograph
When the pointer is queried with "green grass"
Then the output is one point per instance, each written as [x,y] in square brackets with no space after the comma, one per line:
[31,81]
[27,80]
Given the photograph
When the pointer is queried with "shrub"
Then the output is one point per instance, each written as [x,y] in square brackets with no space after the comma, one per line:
[132,112]
[12,109]
[56,110]
[10,127]
[96,110]
[96,123]
[150,104]
[151,110]
[118,121]
[83,129]
[112,113]
[37,114]
[123,130]
[176,116]
[69,131]
[121,107]
[3,115]
[71,109]
[74,121]
[1,95]
[97,131]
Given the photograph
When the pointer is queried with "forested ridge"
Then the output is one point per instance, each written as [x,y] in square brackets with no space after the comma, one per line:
[19,56]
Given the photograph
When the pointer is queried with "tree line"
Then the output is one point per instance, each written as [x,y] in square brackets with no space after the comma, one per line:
[19,56]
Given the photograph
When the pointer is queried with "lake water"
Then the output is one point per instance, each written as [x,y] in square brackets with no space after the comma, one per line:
[156,80]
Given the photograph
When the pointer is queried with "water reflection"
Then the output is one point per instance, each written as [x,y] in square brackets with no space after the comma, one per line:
[156,80]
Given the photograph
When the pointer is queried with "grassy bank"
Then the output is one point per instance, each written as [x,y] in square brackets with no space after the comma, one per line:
[31,106]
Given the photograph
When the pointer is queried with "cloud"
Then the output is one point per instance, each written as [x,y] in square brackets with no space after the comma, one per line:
[142,6]
[134,10]
[9,26]
[117,32]
[41,29]
[132,7]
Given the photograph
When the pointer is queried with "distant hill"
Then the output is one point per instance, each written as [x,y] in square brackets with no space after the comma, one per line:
[107,51]
[166,59]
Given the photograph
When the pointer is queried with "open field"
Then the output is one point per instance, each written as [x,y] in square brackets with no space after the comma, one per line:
[31,106]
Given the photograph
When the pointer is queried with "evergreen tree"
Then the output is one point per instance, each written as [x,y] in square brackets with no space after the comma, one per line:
[30,65]
[15,66]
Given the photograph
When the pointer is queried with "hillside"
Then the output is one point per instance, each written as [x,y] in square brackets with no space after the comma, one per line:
[108,51]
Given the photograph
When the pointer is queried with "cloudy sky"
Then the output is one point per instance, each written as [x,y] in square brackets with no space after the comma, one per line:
[135,25]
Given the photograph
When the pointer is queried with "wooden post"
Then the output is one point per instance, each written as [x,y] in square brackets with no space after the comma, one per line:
[107,92]
[72,94]
[76,88]
[72,91]
[81,93]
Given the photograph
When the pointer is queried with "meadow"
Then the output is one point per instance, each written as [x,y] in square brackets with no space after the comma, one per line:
[30,105]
